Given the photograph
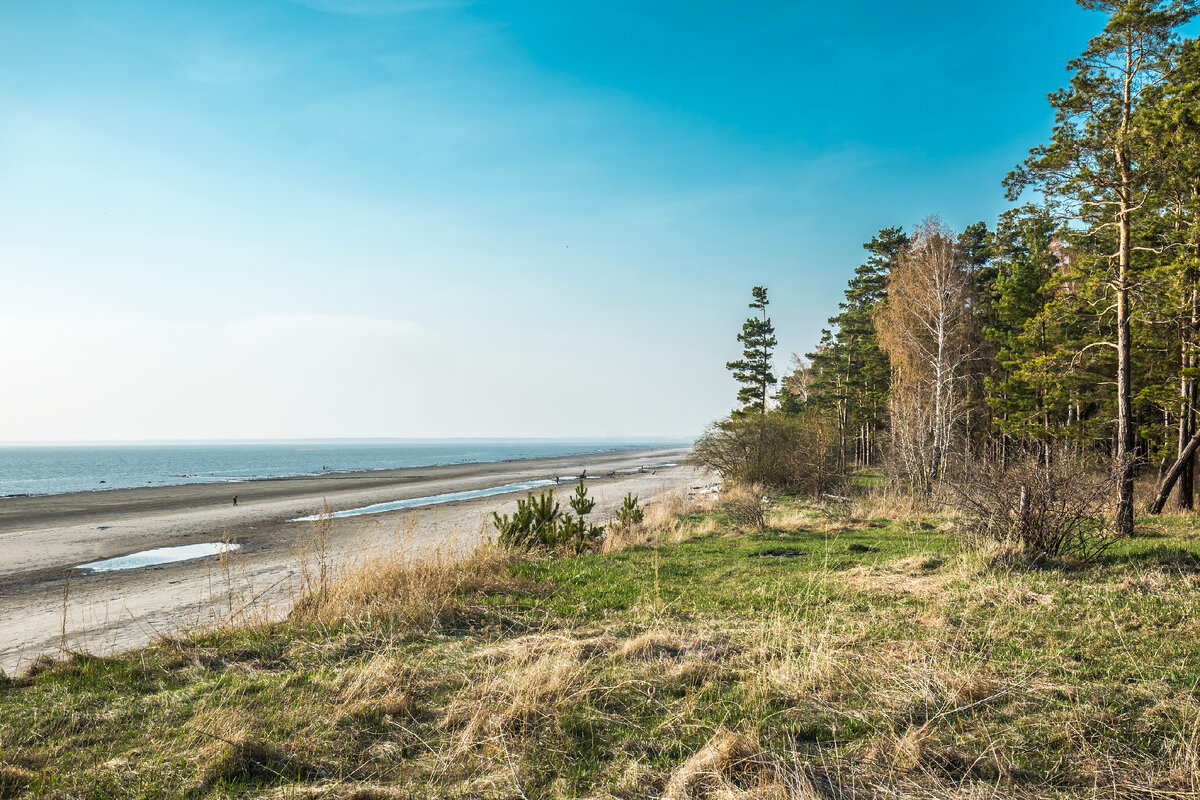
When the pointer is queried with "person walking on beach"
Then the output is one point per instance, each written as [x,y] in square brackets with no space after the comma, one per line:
[235,499]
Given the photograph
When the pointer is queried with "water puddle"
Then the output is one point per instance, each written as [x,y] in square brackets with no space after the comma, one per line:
[474,494]
[160,555]
[435,499]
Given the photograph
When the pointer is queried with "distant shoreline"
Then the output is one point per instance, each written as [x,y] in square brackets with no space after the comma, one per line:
[20,511]
[44,537]
[42,470]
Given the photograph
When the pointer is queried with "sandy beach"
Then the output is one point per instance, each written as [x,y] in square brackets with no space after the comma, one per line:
[42,540]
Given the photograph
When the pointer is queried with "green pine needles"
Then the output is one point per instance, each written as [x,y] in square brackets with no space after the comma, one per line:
[540,525]
[753,370]
[630,513]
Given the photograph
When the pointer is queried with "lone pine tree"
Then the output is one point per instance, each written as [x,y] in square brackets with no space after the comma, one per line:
[753,370]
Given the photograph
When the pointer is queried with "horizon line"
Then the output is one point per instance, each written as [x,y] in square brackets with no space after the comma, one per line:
[345,439]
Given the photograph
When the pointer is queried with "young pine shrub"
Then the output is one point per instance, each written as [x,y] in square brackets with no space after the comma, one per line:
[532,526]
[630,513]
[540,525]
[627,529]
[1041,512]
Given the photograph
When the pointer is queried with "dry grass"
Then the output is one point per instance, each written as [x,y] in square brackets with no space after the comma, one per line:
[408,591]
[528,692]
[733,767]
[14,779]
[886,665]
[665,521]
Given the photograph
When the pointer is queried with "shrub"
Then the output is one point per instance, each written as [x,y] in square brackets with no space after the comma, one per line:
[1042,512]
[539,524]
[629,514]
[789,452]
[746,506]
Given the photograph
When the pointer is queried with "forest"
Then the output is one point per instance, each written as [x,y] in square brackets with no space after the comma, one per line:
[1057,345]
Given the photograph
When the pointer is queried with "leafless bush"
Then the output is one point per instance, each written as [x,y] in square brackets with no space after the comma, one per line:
[745,505]
[1043,512]
[791,452]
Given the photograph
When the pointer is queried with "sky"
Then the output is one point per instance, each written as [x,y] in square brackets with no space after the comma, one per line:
[513,218]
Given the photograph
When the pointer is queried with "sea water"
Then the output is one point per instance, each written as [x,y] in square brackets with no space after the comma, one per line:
[55,469]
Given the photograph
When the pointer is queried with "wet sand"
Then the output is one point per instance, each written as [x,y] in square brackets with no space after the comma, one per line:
[43,538]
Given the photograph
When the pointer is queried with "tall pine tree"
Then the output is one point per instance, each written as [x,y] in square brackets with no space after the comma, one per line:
[753,370]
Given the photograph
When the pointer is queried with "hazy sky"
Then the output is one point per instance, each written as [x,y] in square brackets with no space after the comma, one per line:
[262,218]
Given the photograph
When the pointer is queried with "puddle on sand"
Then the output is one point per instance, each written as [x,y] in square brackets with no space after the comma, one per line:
[565,481]
[434,499]
[160,555]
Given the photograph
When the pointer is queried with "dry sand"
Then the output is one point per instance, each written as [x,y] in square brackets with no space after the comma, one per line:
[43,538]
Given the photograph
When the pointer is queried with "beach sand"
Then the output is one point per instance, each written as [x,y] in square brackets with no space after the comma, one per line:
[43,538]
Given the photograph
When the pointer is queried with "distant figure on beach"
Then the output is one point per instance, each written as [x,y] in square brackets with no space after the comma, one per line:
[556,480]
[584,475]
[235,499]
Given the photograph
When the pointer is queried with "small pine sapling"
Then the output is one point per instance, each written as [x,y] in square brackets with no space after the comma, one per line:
[540,525]
[580,501]
[630,513]
[577,535]
[532,527]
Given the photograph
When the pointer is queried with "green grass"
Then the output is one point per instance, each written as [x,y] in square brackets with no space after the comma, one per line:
[882,659]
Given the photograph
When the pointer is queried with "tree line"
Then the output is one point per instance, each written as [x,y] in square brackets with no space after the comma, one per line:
[1067,331]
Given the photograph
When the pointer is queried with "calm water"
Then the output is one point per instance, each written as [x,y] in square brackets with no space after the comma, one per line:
[53,469]
[160,555]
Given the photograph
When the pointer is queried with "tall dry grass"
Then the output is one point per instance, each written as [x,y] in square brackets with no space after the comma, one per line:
[664,521]
[402,590]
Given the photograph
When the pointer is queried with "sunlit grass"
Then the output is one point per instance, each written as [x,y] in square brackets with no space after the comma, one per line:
[843,651]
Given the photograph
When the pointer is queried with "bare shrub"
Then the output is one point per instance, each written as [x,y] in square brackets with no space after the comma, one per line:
[791,452]
[745,505]
[1041,512]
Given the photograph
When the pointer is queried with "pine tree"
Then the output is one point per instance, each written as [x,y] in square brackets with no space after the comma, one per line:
[851,375]
[1169,123]
[753,370]
[1015,291]
[1095,169]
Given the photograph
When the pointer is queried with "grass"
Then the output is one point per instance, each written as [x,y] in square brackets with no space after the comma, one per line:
[844,651]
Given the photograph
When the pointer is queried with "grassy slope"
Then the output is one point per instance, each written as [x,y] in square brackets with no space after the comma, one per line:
[879,661]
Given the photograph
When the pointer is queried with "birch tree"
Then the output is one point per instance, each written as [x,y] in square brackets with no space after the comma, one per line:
[926,329]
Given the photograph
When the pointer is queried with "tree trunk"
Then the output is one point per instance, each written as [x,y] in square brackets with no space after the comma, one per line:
[1125,427]
[1168,482]
[1187,416]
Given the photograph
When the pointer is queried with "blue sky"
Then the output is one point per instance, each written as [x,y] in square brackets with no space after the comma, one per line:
[266,218]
